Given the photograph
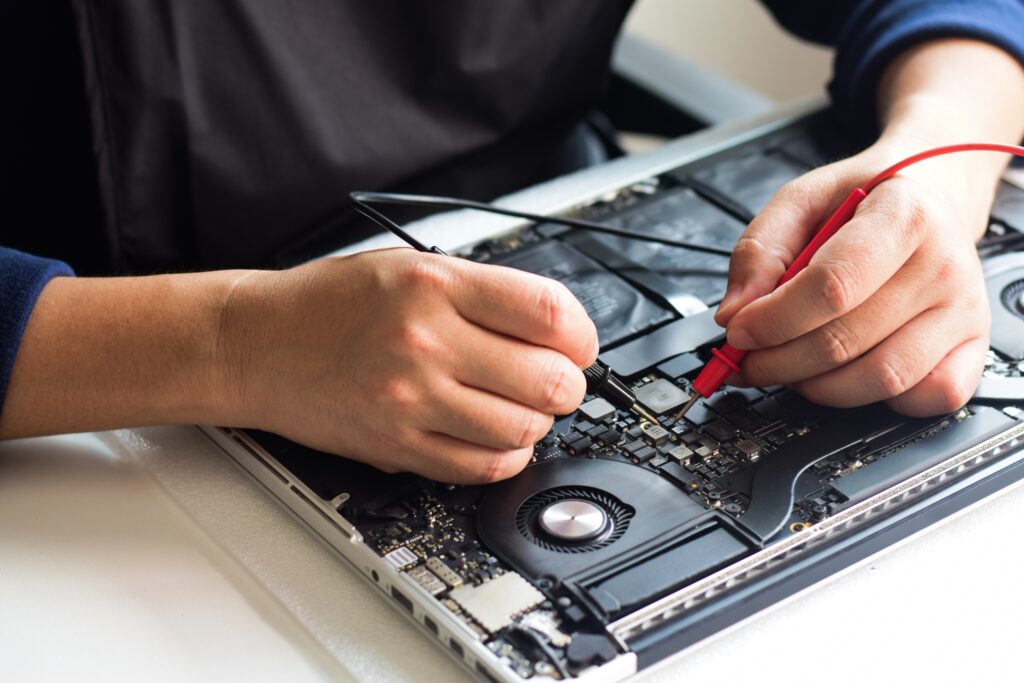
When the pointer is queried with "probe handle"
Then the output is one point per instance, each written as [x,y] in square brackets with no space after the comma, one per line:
[726,360]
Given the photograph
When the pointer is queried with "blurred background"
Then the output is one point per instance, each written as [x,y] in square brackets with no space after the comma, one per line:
[738,39]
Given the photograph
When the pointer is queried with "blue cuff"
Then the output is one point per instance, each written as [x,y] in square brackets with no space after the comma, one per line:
[22,278]
[879,30]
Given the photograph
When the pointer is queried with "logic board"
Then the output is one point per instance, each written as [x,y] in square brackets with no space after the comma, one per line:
[620,530]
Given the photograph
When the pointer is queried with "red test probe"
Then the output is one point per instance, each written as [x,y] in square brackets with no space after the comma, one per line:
[726,360]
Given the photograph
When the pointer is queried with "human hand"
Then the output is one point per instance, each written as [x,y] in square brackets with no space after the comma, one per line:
[407,361]
[892,308]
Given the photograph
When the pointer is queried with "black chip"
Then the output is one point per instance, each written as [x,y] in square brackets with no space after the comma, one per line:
[581,446]
[725,403]
[644,454]
[634,446]
[617,308]
[722,430]
[609,437]
[746,420]
[770,409]
[679,474]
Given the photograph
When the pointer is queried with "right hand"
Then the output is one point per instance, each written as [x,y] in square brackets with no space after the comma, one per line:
[406,361]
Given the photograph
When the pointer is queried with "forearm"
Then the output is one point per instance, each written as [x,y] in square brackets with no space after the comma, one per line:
[951,91]
[100,353]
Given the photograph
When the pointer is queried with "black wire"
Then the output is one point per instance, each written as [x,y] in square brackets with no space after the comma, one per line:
[362,200]
[538,641]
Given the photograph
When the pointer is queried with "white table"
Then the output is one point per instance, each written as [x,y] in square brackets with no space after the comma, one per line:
[148,554]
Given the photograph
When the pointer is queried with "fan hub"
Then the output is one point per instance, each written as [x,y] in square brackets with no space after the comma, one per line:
[573,520]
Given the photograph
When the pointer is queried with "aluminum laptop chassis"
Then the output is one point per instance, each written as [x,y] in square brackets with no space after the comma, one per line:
[965,459]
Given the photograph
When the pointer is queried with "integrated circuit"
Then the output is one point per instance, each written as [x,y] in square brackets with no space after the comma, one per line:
[660,396]
[496,603]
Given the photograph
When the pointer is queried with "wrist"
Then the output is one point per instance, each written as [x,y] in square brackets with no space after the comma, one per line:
[235,321]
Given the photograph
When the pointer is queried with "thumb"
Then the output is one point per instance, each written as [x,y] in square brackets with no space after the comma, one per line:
[775,237]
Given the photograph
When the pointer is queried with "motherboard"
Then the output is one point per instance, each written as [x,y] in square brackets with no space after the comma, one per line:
[615,513]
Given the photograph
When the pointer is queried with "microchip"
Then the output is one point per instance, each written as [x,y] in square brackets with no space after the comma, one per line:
[597,409]
[496,603]
[749,448]
[444,572]
[609,437]
[680,453]
[633,446]
[660,396]
[425,578]
[656,435]
[644,454]
[722,430]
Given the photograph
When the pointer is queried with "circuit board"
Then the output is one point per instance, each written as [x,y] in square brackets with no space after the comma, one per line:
[615,513]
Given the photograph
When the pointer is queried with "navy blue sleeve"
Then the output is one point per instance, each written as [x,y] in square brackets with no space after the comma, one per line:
[22,278]
[869,34]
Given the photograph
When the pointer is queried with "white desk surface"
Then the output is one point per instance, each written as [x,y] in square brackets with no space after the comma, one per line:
[149,555]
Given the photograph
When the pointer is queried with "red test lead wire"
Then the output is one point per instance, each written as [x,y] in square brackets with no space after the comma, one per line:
[726,360]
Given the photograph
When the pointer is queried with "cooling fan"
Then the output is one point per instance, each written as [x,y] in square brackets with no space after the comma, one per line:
[561,517]
[1004,277]
[573,519]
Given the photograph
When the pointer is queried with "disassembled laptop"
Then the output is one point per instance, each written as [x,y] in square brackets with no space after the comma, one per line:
[625,542]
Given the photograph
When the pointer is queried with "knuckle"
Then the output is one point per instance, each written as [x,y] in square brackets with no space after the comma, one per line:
[747,248]
[498,465]
[415,339]
[836,289]
[919,216]
[399,393]
[918,222]
[893,377]
[425,274]
[551,307]
[561,386]
[947,267]
[952,393]
[839,347]
[532,428]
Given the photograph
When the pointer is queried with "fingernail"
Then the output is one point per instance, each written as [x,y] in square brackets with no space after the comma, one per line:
[732,296]
[740,339]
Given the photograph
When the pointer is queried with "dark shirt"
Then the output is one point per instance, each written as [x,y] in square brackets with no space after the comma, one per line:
[216,134]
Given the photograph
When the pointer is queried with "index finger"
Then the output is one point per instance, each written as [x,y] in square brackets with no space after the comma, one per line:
[775,237]
[536,309]
[851,266]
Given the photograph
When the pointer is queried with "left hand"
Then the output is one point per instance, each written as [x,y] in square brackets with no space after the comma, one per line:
[893,308]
